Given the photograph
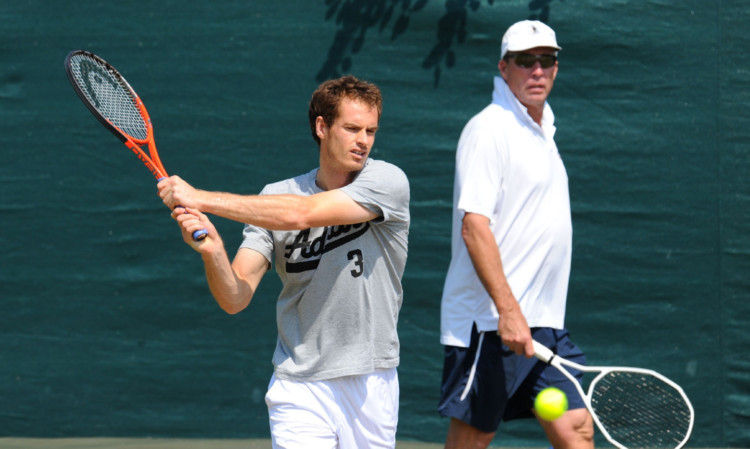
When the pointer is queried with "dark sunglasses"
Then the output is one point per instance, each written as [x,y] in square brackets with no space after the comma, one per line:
[527,60]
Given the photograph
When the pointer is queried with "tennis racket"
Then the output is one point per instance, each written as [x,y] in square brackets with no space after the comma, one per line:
[116,105]
[632,407]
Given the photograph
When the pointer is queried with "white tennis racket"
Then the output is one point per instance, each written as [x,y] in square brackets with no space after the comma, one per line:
[632,407]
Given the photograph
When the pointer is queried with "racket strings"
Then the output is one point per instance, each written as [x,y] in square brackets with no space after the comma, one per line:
[640,410]
[107,93]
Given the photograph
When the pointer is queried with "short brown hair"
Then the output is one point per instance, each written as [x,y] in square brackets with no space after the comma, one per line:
[327,97]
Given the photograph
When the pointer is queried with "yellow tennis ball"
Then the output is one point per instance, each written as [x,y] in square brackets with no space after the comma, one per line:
[551,403]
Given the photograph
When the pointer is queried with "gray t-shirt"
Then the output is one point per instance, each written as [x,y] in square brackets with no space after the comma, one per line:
[338,308]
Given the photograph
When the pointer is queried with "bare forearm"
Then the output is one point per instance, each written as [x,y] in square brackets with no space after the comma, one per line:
[231,293]
[287,212]
[280,212]
[275,212]
[489,268]
[487,260]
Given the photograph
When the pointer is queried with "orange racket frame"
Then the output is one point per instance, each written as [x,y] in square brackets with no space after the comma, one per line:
[97,66]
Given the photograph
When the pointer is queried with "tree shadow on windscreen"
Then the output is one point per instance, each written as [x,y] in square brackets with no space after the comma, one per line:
[356,17]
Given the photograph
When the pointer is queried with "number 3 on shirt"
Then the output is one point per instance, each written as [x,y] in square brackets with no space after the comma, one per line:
[356,256]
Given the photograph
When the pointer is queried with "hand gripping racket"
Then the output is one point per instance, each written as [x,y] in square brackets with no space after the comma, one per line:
[632,407]
[116,105]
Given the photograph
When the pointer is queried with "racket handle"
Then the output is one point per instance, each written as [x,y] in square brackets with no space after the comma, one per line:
[198,235]
[542,352]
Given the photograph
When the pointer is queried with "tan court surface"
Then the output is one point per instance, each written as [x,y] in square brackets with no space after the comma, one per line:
[165,443]
[156,443]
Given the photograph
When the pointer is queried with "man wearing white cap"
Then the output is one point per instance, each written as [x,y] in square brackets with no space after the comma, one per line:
[511,250]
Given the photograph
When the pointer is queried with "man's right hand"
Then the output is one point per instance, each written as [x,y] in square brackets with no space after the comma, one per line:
[514,331]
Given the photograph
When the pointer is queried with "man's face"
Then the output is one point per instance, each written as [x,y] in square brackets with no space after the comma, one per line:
[346,144]
[531,85]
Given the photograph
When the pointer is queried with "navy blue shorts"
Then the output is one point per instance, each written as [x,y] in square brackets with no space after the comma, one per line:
[503,385]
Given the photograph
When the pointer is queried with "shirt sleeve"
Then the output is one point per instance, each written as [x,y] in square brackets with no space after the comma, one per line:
[479,170]
[258,239]
[383,189]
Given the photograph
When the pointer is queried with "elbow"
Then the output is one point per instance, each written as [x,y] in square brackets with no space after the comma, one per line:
[301,218]
[296,223]
[232,310]
[232,306]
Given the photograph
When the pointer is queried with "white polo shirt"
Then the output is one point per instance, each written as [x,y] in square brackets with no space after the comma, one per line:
[508,169]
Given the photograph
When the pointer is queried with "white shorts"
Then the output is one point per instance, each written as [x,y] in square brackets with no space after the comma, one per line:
[347,412]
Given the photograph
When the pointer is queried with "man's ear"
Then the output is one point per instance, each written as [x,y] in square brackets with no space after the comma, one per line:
[320,127]
[502,66]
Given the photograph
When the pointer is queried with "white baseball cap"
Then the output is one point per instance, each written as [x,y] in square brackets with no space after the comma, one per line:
[528,34]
